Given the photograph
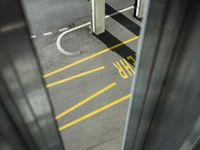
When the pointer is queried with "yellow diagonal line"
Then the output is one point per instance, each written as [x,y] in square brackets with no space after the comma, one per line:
[85,100]
[94,112]
[90,57]
[75,77]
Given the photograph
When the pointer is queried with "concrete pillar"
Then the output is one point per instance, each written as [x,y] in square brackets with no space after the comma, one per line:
[98,16]
[139,9]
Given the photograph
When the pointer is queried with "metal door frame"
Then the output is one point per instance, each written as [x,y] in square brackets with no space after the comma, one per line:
[161,30]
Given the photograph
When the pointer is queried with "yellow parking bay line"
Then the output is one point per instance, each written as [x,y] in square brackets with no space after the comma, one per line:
[85,100]
[75,77]
[94,112]
[90,57]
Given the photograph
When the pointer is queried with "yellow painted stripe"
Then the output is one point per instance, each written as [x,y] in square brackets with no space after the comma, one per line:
[75,77]
[85,100]
[94,112]
[90,57]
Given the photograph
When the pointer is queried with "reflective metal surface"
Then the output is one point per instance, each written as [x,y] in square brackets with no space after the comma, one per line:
[165,109]
[24,100]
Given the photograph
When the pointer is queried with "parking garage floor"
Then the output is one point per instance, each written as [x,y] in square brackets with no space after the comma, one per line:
[90,91]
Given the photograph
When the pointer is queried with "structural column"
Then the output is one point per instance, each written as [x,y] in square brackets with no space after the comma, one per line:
[98,16]
[139,9]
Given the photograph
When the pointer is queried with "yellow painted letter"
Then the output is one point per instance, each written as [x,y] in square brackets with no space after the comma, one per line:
[131,58]
[127,67]
[120,70]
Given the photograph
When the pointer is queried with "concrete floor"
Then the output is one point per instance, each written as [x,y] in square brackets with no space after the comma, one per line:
[50,15]
[103,131]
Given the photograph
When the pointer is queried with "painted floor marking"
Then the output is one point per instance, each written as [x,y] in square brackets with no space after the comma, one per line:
[75,77]
[115,102]
[63,29]
[66,52]
[33,36]
[89,23]
[120,11]
[90,57]
[86,100]
[47,33]
[124,69]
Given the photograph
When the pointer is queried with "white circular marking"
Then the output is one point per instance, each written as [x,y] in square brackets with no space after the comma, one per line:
[58,42]
[63,51]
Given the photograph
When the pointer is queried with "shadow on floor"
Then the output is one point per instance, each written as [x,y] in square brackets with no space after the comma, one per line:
[123,20]
[109,40]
